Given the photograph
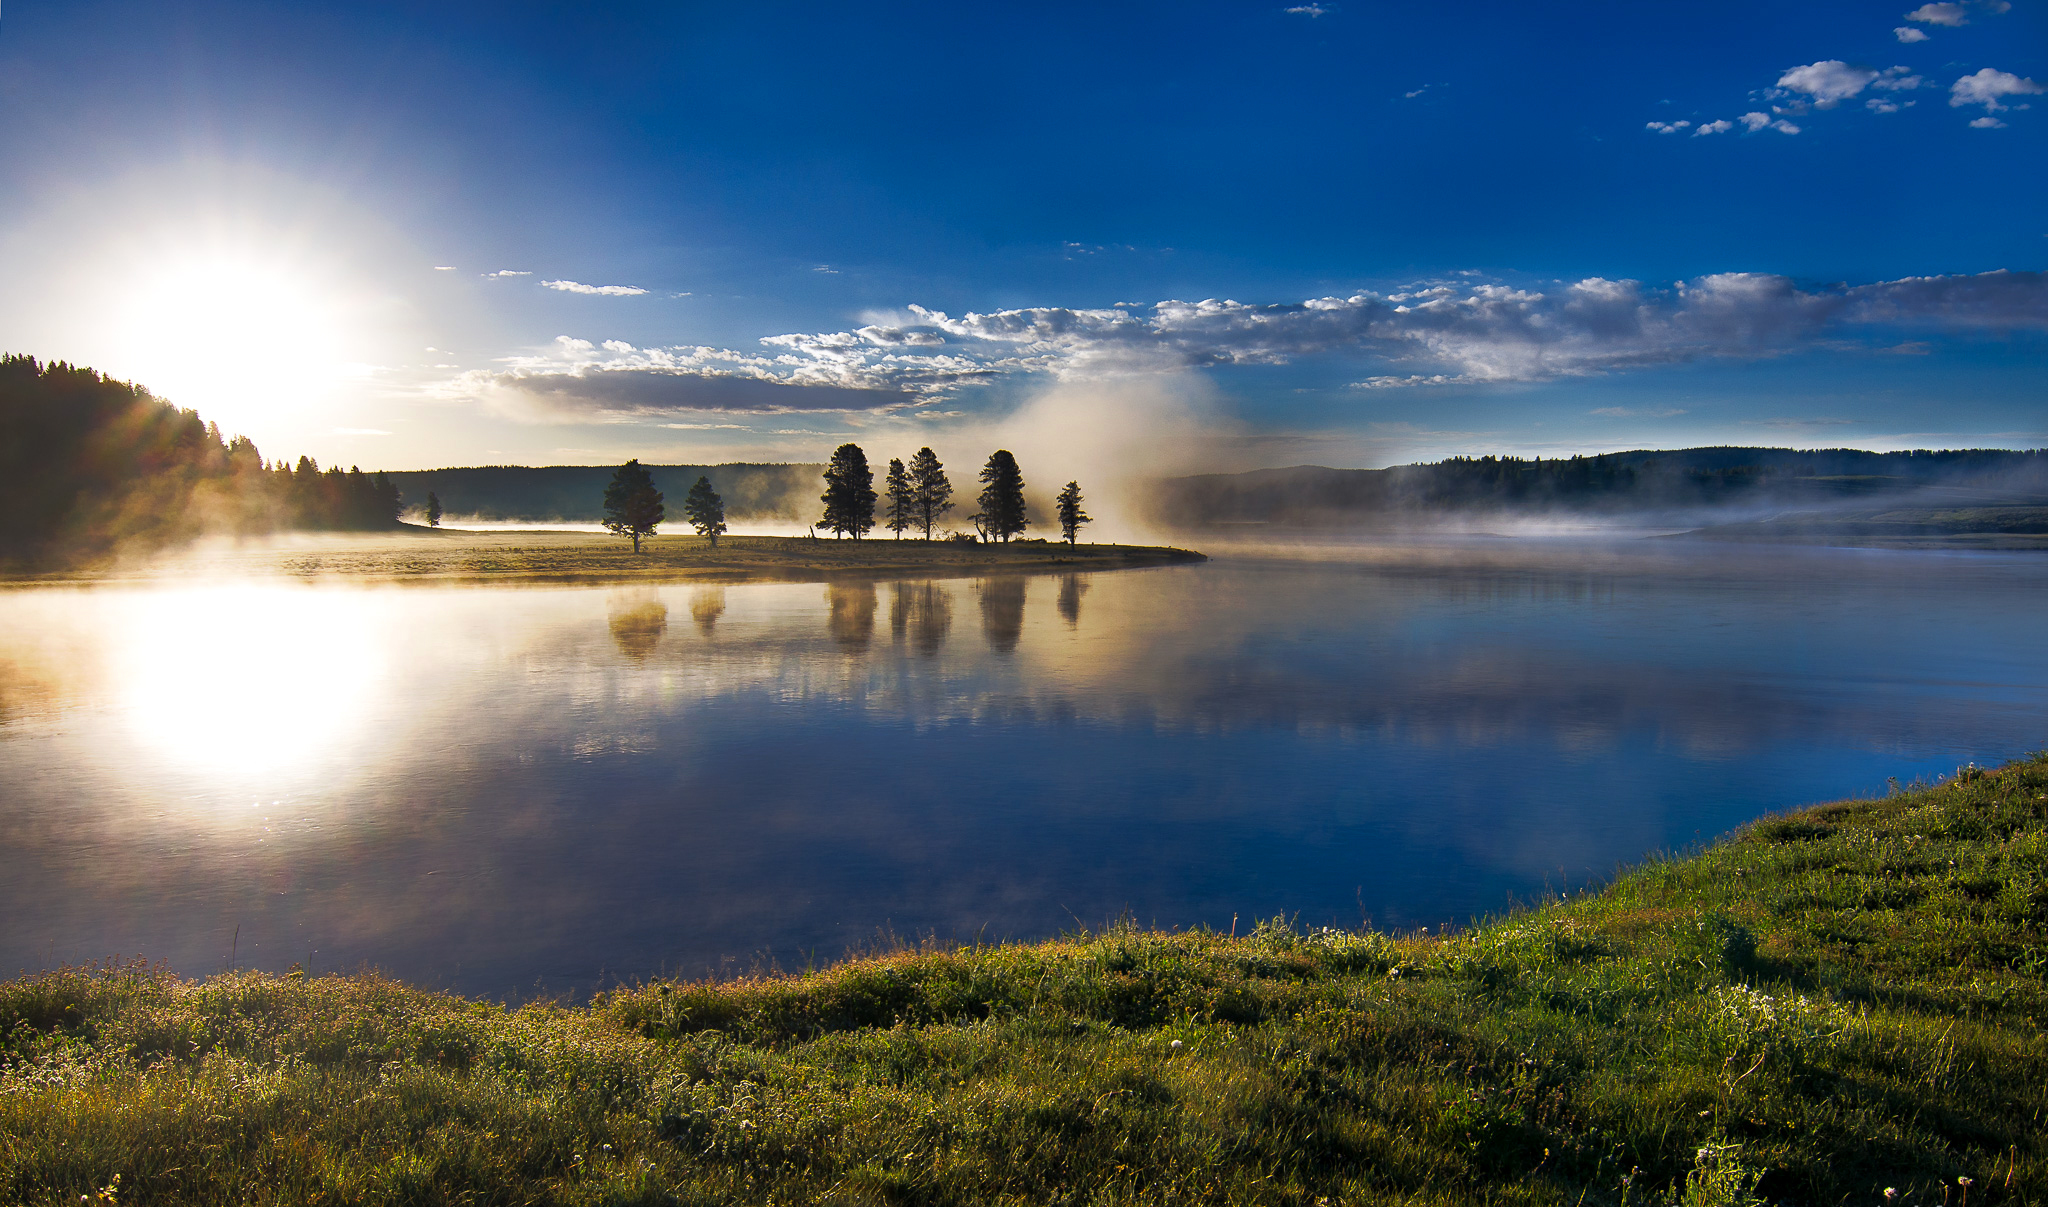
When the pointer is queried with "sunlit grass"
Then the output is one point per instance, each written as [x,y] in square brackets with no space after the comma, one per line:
[1828,1005]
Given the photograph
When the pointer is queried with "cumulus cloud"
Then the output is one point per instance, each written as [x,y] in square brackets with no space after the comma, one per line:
[1759,121]
[1667,127]
[609,291]
[509,272]
[1309,10]
[1986,123]
[1990,88]
[1906,33]
[1715,127]
[1829,82]
[1457,332]
[1950,15]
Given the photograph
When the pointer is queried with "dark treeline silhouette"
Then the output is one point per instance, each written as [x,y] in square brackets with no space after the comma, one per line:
[1683,478]
[572,492]
[88,463]
[919,495]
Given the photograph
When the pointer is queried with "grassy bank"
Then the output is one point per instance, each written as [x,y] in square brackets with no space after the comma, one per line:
[1834,1003]
[422,555]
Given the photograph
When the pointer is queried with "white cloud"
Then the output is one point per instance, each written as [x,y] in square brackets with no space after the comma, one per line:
[609,291]
[1666,127]
[1784,127]
[1829,82]
[1897,79]
[1950,15]
[1715,127]
[1906,33]
[1986,123]
[1878,104]
[508,272]
[1755,121]
[1434,333]
[1309,10]
[444,268]
[1988,88]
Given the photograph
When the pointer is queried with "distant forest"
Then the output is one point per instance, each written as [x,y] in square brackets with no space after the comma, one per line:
[575,493]
[1611,482]
[88,464]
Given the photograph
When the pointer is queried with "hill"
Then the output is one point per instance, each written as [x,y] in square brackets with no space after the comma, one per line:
[1610,484]
[575,493]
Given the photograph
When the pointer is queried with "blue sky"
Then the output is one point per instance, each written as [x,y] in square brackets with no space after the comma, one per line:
[1217,235]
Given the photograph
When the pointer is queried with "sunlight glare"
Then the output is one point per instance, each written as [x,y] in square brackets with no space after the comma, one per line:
[239,681]
[237,335]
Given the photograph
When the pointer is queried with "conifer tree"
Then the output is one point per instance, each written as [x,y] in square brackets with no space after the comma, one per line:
[433,510]
[1002,497]
[632,507]
[931,492]
[1070,514]
[902,500]
[705,510]
[849,496]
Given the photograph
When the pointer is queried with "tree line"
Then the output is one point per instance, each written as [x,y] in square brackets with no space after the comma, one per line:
[88,463]
[919,496]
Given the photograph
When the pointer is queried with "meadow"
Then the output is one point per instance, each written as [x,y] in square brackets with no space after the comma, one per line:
[1842,1005]
[443,556]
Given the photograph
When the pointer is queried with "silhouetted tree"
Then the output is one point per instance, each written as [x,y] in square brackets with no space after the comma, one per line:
[632,507]
[849,496]
[1070,513]
[433,510]
[705,510]
[930,492]
[1002,497]
[902,500]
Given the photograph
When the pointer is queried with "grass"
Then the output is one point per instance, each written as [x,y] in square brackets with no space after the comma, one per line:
[444,556]
[1826,1005]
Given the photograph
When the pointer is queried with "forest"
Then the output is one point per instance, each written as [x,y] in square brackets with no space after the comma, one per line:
[89,465]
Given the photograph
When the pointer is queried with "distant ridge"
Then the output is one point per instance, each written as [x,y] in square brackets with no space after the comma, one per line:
[575,493]
[1639,480]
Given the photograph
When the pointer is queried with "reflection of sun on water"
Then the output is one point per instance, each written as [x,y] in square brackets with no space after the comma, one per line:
[241,680]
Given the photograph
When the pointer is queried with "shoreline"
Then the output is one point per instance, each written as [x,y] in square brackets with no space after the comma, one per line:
[1819,1006]
[446,557]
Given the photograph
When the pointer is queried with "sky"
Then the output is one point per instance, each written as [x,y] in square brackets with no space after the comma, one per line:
[1180,237]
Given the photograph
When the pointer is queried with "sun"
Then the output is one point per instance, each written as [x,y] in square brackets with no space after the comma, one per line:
[238,335]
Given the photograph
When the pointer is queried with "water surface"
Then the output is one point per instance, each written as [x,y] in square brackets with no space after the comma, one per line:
[507,790]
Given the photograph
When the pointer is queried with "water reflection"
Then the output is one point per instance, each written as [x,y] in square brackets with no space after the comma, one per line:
[707,604]
[1072,588]
[481,788]
[1002,611]
[923,611]
[638,619]
[850,614]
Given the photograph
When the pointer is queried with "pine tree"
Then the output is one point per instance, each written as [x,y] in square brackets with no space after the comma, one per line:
[1002,497]
[902,500]
[705,510]
[433,510]
[931,493]
[632,507]
[1070,513]
[849,496]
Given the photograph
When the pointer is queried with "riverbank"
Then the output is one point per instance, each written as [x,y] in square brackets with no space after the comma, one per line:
[443,556]
[1834,1002]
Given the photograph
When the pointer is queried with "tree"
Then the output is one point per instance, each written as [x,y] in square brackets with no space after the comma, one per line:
[1002,497]
[902,499]
[1070,513]
[632,507]
[433,510]
[706,511]
[929,489]
[849,496]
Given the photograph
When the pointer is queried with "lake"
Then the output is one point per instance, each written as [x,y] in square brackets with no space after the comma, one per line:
[510,791]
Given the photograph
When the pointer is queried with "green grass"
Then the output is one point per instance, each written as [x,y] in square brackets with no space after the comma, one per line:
[1824,1006]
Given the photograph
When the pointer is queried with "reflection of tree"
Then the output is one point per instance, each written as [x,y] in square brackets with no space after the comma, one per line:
[924,612]
[852,618]
[638,621]
[1002,611]
[707,604]
[1072,588]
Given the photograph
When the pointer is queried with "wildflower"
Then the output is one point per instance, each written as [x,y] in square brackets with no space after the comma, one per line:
[1176,1045]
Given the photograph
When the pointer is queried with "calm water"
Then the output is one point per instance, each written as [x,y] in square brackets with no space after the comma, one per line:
[511,790]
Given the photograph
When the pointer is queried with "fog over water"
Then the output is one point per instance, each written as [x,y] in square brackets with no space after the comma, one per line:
[509,790]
